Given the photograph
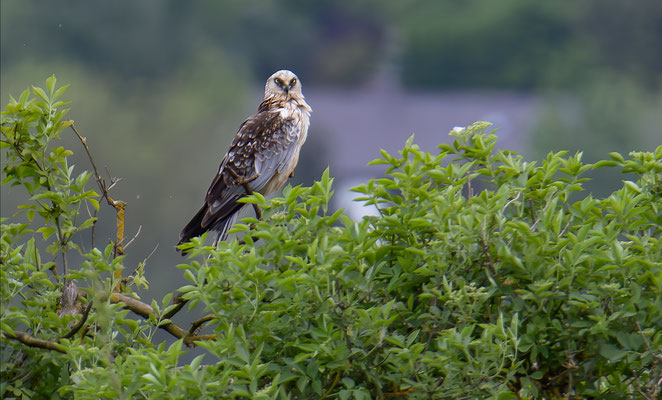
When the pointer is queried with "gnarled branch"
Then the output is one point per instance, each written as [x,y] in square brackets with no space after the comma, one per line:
[145,311]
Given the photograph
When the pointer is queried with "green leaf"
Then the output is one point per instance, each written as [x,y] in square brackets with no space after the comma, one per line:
[611,352]
[59,92]
[46,231]
[50,83]
[40,92]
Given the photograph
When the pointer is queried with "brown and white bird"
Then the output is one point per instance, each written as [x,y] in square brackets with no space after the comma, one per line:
[261,158]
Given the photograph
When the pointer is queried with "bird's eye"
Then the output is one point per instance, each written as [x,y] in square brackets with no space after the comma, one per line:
[293,82]
[278,82]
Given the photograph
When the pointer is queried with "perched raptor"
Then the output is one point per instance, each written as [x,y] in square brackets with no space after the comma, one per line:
[261,158]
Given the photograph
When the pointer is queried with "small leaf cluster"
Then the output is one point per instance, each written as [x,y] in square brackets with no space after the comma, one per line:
[30,126]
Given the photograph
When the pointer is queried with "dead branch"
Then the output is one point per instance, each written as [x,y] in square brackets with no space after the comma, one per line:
[100,181]
[68,298]
[118,205]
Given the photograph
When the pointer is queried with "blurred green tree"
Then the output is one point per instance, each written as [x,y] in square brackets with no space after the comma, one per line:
[527,45]
[467,44]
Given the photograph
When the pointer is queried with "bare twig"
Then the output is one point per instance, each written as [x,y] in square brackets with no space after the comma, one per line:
[134,237]
[100,181]
[470,190]
[151,253]
[140,265]
[511,201]
[113,180]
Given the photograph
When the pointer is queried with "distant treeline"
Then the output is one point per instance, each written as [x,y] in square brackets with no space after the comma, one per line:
[435,44]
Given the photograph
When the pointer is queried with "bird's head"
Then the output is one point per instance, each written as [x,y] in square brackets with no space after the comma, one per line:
[283,85]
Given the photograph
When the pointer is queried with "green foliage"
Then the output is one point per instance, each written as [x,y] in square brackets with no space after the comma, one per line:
[446,293]
[29,126]
[480,277]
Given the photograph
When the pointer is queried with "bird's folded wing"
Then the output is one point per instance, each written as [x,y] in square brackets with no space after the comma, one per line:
[263,146]
[277,154]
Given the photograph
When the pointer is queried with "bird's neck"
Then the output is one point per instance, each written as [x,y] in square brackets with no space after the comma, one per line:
[271,103]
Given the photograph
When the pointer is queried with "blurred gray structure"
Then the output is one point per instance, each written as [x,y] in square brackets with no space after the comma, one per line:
[351,126]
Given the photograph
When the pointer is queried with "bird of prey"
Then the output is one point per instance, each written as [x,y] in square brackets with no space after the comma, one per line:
[261,158]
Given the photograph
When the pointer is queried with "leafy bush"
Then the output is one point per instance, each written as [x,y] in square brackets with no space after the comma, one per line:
[483,276]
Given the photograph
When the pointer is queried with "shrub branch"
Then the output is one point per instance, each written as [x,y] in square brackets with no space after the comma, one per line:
[145,311]
[137,307]
[31,341]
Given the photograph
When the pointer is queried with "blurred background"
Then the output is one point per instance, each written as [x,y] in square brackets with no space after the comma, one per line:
[159,88]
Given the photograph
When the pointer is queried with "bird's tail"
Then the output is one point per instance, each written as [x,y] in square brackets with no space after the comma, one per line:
[193,228]
[220,228]
[223,226]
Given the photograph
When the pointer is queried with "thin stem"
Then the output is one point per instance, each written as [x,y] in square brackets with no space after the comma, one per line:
[196,324]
